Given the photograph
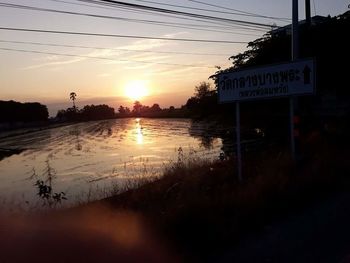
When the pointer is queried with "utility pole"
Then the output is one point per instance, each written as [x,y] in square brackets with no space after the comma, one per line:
[308,12]
[293,100]
[295,31]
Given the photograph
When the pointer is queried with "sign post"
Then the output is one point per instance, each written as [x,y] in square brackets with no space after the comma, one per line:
[272,81]
[293,101]
[238,141]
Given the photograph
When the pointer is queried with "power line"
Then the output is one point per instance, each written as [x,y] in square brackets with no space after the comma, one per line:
[238,12]
[80,4]
[246,25]
[170,11]
[213,23]
[219,25]
[193,8]
[241,11]
[112,49]
[102,58]
[160,23]
[143,11]
[123,36]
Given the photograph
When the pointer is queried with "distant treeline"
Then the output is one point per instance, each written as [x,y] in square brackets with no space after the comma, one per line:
[99,112]
[12,111]
[155,111]
[88,113]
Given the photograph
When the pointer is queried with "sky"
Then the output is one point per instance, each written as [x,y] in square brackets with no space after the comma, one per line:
[46,67]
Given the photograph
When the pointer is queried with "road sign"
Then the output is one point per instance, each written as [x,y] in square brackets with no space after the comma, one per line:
[289,79]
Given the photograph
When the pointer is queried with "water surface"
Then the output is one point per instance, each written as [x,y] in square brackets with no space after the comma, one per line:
[91,157]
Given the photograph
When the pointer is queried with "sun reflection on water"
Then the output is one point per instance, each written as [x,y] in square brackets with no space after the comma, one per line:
[139,135]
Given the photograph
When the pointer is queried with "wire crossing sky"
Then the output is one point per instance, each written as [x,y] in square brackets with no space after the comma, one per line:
[116,49]
[174,12]
[96,48]
[123,36]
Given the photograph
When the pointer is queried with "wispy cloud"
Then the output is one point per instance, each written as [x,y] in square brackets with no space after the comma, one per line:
[122,56]
[48,57]
[55,63]
[148,44]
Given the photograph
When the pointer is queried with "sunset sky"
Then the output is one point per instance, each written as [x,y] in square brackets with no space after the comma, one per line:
[46,67]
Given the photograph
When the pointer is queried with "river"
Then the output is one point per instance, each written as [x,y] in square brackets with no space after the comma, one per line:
[88,160]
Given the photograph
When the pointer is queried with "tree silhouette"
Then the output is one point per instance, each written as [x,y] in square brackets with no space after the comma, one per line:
[73,96]
[204,101]
[121,109]
[203,90]
[137,107]
[155,108]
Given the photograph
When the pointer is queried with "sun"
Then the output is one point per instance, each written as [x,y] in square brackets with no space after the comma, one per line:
[136,90]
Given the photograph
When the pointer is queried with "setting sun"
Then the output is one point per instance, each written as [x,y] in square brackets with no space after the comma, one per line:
[136,90]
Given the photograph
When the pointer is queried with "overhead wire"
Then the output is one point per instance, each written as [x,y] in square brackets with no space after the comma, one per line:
[160,23]
[129,9]
[241,11]
[212,24]
[216,24]
[139,12]
[143,12]
[238,12]
[170,11]
[232,23]
[80,4]
[201,20]
[112,49]
[123,36]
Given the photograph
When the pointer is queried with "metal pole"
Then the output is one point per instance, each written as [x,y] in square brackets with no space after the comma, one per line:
[238,135]
[295,55]
[291,116]
[295,31]
[308,12]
